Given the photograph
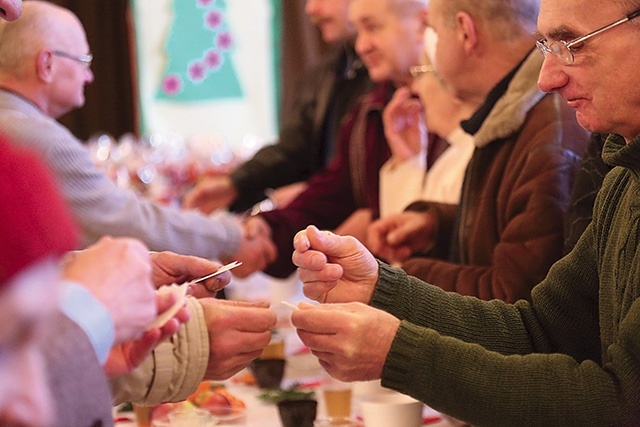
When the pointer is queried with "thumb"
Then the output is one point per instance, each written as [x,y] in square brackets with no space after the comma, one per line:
[327,242]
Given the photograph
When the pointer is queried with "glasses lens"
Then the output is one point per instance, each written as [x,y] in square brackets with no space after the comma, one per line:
[561,50]
[542,48]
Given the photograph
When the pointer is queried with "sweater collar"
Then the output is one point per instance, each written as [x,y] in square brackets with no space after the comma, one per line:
[616,152]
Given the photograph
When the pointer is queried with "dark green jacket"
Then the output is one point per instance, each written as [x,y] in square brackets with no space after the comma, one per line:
[571,357]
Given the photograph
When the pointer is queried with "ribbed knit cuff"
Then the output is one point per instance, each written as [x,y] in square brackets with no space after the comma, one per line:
[396,373]
[386,289]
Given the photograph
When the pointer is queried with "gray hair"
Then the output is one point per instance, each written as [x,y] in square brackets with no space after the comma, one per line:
[505,19]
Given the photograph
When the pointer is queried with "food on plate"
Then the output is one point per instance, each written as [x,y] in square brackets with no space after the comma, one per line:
[160,412]
[209,396]
[245,377]
[215,398]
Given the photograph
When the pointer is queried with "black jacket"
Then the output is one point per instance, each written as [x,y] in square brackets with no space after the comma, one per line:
[323,96]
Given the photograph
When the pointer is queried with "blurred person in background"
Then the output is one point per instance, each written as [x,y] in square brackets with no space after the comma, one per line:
[350,182]
[507,230]
[44,66]
[322,98]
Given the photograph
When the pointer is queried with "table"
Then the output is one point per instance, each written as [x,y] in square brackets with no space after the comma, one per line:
[303,368]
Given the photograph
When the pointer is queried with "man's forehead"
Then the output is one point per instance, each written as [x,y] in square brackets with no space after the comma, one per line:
[566,19]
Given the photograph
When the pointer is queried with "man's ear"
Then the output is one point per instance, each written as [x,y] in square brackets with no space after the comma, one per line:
[467,31]
[44,65]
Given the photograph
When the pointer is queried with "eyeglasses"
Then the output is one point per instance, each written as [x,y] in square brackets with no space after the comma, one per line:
[420,69]
[562,49]
[83,59]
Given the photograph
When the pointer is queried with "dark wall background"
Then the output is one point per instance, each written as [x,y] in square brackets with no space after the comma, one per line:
[110,105]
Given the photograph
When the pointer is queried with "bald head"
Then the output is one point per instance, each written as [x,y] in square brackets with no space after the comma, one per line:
[42,25]
[44,57]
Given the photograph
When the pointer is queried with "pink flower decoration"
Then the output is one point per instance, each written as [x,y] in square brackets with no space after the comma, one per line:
[196,71]
[213,19]
[203,3]
[172,84]
[225,41]
[213,59]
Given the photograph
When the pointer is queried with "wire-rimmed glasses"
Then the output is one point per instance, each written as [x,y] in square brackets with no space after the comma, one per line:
[83,59]
[562,49]
[420,69]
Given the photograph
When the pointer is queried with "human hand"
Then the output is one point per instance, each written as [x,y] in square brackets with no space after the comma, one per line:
[238,331]
[334,268]
[396,237]
[124,358]
[168,268]
[356,225]
[284,195]
[257,250]
[404,125]
[211,193]
[351,341]
[117,272]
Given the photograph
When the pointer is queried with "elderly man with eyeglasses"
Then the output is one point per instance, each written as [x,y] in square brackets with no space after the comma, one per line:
[569,357]
[45,65]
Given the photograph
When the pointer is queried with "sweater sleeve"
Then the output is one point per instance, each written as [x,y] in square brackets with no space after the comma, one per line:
[527,364]
[101,208]
[175,368]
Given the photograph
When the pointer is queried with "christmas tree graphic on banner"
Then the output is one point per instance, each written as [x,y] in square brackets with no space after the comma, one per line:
[198,49]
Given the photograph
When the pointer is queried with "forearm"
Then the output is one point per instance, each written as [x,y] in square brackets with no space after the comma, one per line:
[451,314]
[457,377]
[101,208]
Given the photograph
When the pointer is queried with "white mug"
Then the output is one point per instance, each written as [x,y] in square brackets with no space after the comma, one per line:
[391,409]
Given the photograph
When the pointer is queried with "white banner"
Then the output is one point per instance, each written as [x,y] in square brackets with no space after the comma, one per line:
[208,67]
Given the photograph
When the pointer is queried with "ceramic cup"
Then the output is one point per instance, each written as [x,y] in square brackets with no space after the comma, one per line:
[391,409]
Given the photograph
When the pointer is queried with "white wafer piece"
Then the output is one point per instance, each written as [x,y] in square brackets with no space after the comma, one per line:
[180,291]
[291,306]
[221,270]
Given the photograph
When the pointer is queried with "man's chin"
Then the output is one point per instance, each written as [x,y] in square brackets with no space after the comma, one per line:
[378,74]
[588,123]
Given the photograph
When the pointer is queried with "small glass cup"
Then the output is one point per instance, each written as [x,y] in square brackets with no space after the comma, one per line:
[337,422]
[197,418]
[142,415]
[337,398]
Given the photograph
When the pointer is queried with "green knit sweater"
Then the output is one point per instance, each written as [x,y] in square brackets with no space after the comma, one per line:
[571,357]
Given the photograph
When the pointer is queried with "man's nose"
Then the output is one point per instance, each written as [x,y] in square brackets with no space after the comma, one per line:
[552,76]
[90,77]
